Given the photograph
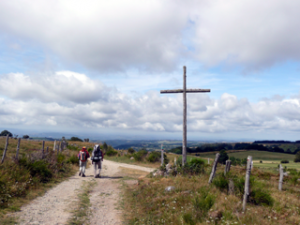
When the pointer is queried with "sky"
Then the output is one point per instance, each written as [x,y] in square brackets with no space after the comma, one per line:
[97,67]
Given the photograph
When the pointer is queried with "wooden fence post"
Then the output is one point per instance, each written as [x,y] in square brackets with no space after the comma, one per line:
[247,182]
[61,146]
[280,177]
[213,171]
[18,148]
[208,161]
[57,147]
[47,151]
[43,147]
[227,167]
[5,149]
[54,146]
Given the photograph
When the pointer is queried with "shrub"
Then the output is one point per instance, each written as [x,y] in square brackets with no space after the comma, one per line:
[297,157]
[261,197]
[154,157]
[90,150]
[5,133]
[284,161]
[73,159]
[131,150]
[194,166]
[260,161]
[71,147]
[293,172]
[60,158]
[111,152]
[203,203]
[221,182]
[293,180]
[138,156]
[188,219]
[25,136]
[76,139]
[223,157]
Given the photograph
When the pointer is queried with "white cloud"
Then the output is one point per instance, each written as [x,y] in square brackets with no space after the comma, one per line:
[155,34]
[63,86]
[250,33]
[105,35]
[64,107]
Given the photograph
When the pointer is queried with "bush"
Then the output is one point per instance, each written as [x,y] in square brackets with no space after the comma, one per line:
[71,147]
[188,219]
[131,150]
[223,157]
[25,136]
[90,150]
[5,133]
[111,152]
[293,180]
[284,161]
[73,159]
[76,139]
[154,157]
[261,197]
[192,167]
[297,157]
[138,156]
[293,172]
[221,182]
[60,158]
[203,203]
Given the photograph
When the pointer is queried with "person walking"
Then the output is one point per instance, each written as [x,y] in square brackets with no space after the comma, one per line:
[83,155]
[97,158]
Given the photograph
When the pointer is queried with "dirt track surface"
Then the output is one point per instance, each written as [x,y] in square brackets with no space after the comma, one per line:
[54,208]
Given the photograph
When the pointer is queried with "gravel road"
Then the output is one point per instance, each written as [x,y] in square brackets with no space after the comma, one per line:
[55,206]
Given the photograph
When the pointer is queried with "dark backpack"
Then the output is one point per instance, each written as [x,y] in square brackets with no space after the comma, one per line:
[97,153]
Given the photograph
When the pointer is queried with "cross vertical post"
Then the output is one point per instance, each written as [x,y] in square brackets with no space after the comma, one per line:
[184,118]
[184,91]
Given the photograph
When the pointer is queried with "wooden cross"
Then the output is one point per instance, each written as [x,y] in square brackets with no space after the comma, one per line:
[184,91]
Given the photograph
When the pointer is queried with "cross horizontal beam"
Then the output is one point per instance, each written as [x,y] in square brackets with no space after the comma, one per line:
[181,91]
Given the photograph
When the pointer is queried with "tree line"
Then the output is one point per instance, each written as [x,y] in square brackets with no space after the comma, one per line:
[237,146]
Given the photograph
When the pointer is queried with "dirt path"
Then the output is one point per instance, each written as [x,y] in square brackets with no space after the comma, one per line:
[54,208]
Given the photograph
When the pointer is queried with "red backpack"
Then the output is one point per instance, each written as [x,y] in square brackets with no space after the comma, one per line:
[82,156]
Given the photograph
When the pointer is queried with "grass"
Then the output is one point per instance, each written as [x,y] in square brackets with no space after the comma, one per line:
[24,179]
[270,160]
[256,155]
[194,201]
[82,211]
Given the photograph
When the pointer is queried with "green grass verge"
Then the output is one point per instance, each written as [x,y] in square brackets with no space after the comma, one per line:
[82,211]
[256,155]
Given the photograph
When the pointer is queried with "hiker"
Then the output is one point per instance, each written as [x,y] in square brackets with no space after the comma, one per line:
[97,158]
[83,155]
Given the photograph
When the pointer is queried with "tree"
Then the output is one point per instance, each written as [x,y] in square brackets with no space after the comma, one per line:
[25,136]
[105,147]
[5,133]
[223,157]
[297,157]
[131,150]
[75,139]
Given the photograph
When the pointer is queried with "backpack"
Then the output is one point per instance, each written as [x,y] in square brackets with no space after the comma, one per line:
[97,153]
[82,156]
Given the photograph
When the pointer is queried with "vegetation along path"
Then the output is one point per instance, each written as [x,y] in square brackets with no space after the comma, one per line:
[60,204]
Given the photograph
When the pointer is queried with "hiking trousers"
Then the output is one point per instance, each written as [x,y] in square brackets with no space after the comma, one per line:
[82,166]
[97,167]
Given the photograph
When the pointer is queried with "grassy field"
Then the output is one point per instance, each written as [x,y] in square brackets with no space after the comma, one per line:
[256,155]
[24,179]
[194,201]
